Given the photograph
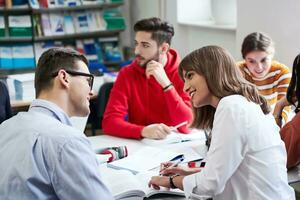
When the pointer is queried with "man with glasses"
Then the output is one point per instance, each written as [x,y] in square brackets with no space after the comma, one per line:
[42,155]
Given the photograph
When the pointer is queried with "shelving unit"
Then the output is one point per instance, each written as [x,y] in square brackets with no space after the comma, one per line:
[63,38]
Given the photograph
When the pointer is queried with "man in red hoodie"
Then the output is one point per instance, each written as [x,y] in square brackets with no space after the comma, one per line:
[147,98]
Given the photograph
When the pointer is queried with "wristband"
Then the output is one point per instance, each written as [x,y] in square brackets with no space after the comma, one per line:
[164,89]
[172,185]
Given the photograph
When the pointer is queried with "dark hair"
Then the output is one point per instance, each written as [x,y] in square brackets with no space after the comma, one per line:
[52,61]
[223,79]
[257,41]
[161,31]
[294,87]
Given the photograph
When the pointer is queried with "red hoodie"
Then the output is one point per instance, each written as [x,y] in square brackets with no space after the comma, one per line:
[145,102]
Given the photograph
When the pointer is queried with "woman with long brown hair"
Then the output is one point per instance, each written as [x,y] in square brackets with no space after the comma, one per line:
[246,158]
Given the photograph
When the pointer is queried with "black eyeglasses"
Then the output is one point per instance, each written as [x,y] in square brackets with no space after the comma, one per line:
[90,79]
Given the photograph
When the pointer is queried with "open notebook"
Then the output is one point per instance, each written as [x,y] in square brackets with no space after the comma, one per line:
[176,137]
[125,185]
[148,158]
[145,159]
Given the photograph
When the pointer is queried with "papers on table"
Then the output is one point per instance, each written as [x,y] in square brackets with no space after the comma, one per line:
[176,137]
[148,158]
[145,159]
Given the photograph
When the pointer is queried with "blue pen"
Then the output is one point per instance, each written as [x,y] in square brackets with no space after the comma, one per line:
[179,157]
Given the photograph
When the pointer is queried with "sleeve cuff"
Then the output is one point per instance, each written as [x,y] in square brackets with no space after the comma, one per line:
[189,182]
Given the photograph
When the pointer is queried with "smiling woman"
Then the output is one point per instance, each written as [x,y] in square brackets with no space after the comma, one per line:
[237,116]
[271,77]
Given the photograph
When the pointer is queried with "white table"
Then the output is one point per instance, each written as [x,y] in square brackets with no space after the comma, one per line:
[199,146]
[103,141]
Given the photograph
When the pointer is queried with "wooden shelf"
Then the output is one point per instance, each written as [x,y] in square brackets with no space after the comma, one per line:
[77,8]
[9,40]
[15,10]
[94,34]
[5,72]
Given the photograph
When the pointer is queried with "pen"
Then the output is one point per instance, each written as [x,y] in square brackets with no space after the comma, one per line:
[179,125]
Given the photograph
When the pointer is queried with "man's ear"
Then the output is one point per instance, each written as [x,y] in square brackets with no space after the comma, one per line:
[164,48]
[63,79]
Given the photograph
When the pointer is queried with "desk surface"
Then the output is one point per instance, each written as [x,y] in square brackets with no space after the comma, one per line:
[198,145]
[103,141]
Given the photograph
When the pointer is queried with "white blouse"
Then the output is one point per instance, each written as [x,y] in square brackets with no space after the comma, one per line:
[246,159]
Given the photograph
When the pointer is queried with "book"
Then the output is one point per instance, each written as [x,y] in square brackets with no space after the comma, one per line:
[23,56]
[6,57]
[57,24]
[125,185]
[176,137]
[46,24]
[81,22]
[2,26]
[19,25]
[69,26]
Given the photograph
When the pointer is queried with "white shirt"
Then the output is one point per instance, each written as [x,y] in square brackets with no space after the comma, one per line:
[246,159]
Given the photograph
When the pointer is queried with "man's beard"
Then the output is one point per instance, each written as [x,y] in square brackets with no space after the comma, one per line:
[155,58]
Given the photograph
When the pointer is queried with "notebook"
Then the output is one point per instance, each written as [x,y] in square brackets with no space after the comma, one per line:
[144,159]
[176,137]
[125,185]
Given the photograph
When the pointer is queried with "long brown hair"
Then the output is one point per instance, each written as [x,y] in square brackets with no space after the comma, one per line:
[223,79]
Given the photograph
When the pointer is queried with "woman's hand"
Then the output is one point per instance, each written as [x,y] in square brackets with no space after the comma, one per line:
[278,110]
[166,169]
[159,181]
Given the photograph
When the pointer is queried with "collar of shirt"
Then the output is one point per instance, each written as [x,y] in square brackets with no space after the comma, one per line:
[50,109]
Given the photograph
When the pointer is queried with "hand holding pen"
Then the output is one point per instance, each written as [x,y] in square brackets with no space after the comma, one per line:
[170,165]
[174,128]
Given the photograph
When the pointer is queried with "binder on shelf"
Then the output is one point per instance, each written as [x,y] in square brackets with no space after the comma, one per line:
[34,4]
[69,25]
[46,24]
[72,3]
[110,49]
[23,85]
[23,3]
[114,19]
[23,56]
[6,57]
[81,22]
[8,3]
[92,2]
[91,53]
[43,3]
[2,26]
[2,3]
[20,25]
[57,24]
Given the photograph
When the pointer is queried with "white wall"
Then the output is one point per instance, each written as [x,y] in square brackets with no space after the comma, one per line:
[187,38]
[277,18]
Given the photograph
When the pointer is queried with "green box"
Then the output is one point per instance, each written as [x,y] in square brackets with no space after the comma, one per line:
[114,19]
[20,32]
[115,23]
[2,32]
